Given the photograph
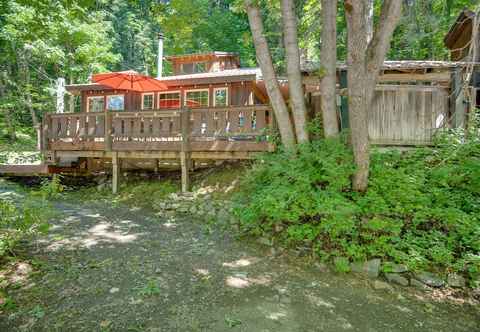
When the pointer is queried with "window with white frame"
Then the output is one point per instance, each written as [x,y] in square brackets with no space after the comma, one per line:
[169,99]
[220,97]
[147,101]
[196,98]
[116,102]
[95,104]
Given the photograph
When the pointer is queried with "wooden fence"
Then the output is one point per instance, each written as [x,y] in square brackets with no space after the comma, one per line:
[407,114]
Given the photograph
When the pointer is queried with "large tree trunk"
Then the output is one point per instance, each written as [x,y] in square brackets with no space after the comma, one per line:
[6,112]
[265,61]
[329,64]
[297,98]
[364,61]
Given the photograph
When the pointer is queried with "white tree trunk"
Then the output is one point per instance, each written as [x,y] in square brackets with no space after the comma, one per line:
[265,61]
[297,98]
[329,64]
[364,62]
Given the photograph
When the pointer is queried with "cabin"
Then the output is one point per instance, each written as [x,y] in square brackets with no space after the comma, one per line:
[211,109]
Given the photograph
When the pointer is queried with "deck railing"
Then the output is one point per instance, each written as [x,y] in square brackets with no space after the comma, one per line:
[208,129]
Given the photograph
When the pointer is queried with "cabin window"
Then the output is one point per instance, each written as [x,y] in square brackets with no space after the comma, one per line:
[186,68]
[220,97]
[196,98]
[169,100]
[193,68]
[96,104]
[115,103]
[147,101]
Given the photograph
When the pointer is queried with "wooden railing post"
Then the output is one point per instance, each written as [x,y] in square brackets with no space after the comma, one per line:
[108,131]
[185,148]
[44,132]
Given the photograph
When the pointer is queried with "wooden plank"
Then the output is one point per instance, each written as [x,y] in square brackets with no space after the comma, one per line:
[185,150]
[233,119]
[197,123]
[82,128]
[247,121]
[260,120]
[221,122]
[211,123]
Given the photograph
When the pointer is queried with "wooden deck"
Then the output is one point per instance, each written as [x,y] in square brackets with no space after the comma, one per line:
[182,134]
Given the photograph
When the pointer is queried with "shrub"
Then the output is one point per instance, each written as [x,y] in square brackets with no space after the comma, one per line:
[18,222]
[422,207]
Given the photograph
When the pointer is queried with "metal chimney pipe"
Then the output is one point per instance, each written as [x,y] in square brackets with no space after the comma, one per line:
[160,55]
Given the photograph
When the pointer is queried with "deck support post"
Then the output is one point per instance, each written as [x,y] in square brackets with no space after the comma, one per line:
[185,149]
[108,131]
[115,172]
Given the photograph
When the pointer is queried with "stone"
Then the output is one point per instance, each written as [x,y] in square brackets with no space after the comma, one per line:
[396,279]
[381,285]
[265,241]
[418,284]
[357,267]
[396,268]
[455,280]
[429,279]
[372,267]
[193,210]
[322,267]
[114,290]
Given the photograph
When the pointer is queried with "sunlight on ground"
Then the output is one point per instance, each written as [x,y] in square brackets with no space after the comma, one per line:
[101,233]
[240,281]
[242,262]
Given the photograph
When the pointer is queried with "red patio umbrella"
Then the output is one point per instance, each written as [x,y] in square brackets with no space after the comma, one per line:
[129,80]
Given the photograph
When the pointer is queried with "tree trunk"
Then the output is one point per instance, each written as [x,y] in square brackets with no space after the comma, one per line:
[364,61]
[297,98]
[265,61]
[6,113]
[329,64]
[23,68]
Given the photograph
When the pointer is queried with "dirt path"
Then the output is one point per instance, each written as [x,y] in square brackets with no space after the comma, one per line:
[105,269]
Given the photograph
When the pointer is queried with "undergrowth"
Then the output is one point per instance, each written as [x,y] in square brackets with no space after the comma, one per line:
[422,207]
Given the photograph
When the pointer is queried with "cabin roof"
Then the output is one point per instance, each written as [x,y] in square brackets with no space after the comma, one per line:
[463,21]
[311,66]
[224,76]
[200,56]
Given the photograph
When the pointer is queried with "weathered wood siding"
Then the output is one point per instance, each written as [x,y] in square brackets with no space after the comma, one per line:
[407,115]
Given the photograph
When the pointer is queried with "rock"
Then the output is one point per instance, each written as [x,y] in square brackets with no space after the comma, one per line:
[322,267]
[395,268]
[418,284]
[193,209]
[455,280]
[114,290]
[371,268]
[357,267]
[429,279]
[476,293]
[397,279]
[381,285]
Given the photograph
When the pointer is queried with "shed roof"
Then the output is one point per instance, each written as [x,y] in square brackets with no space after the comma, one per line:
[310,66]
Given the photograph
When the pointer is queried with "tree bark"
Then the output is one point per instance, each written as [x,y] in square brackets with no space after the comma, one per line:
[364,62]
[265,61]
[297,98]
[6,113]
[329,64]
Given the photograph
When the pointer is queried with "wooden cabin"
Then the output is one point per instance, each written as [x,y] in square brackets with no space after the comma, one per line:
[213,109]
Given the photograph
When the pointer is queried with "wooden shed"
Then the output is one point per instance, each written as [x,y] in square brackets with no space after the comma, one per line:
[413,100]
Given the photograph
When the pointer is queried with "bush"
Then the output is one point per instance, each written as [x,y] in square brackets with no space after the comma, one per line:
[422,207]
[19,222]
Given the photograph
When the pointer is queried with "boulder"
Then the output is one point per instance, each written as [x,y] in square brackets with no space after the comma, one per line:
[418,284]
[370,268]
[397,279]
[455,280]
[381,285]
[429,279]
[395,268]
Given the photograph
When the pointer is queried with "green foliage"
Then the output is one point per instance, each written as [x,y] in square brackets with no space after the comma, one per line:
[18,222]
[422,207]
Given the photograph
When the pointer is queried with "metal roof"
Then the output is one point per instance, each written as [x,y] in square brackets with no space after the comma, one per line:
[218,74]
